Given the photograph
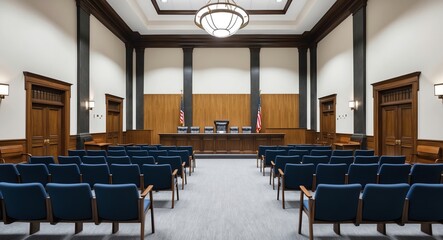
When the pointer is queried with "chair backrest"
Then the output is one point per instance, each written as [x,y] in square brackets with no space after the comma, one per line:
[305,147]
[95,173]
[117,153]
[115,148]
[296,152]
[383,202]
[24,201]
[70,202]
[183,154]
[41,159]
[118,202]
[132,153]
[317,152]
[425,202]
[64,173]
[298,174]
[319,147]
[271,154]
[315,159]
[360,152]
[79,153]
[342,153]
[366,159]
[392,160]
[174,161]
[149,148]
[394,173]
[331,173]
[33,173]
[118,160]
[70,160]
[140,160]
[96,153]
[167,148]
[9,173]
[348,160]
[426,173]
[363,173]
[286,148]
[262,149]
[157,153]
[281,161]
[336,202]
[160,176]
[187,148]
[94,160]
[133,148]
[124,173]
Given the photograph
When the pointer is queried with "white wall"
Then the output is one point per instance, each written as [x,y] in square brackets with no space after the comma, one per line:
[163,71]
[107,73]
[405,36]
[38,37]
[335,73]
[221,71]
[279,73]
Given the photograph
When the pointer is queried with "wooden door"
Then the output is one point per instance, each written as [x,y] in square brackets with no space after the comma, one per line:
[46,130]
[114,119]
[327,120]
[397,128]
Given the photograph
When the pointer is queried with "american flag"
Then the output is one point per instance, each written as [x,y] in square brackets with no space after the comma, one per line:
[258,127]
[182,112]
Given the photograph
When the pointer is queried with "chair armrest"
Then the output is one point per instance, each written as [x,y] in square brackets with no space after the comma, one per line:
[281,172]
[183,164]
[174,173]
[305,191]
[147,190]
[272,163]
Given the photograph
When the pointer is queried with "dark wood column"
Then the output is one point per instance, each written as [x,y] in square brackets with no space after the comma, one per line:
[359,41]
[255,85]
[313,81]
[129,85]
[139,88]
[303,86]
[187,84]
[83,37]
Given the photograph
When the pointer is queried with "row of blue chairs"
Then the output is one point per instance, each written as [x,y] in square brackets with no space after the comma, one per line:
[295,175]
[379,204]
[160,176]
[120,203]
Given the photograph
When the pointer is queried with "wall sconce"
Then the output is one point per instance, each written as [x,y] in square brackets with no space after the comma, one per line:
[438,90]
[4,90]
[353,105]
[90,105]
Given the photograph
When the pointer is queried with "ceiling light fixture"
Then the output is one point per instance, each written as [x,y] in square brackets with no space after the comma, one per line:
[222,18]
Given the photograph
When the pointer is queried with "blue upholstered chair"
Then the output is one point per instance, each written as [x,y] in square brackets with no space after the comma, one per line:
[162,178]
[94,160]
[9,173]
[366,159]
[42,159]
[79,153]
[65,173]
[132,153]
[394,173]
[176,163]
[190,149]
[296,152]
[270,156]
[383,203]
[360,152]
[280,163]
[126,173]
[331,204]
[118,160]
[348,160]
[423,205]
[70,160]
[330,174]
[307,148]
[122,203]
[133,148]
[157,153]
[149,148]
[140,160]
[362,174]
[116,148]
[71,203]
[286,148]
[293,176]
[95,173]
[96,153]
[185,157]
[315,160]
[117,153]
[426,173]
[392,160]
[318,152]
[33,173]
[25,202]
[167,148]
[342,153]
[261,153]
[320,147]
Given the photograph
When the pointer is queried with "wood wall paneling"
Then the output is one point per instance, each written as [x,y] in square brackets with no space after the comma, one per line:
[280,110]
[139,136]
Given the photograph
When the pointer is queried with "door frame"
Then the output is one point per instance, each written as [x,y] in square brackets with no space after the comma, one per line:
[330,98]
[31,80]
[111,98]
[412,80]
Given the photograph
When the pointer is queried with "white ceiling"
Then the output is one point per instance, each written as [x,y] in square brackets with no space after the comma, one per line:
[141,16]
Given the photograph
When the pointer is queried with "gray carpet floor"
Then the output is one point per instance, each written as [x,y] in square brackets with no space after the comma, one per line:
[224,199]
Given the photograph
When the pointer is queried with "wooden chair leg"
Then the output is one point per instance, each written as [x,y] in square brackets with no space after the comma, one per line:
[381,228]
[190,168]
[114,227]
[186,178]
[183,182]
[311,230]
[78,227]
[142,228]
[300,217]
[426,228]
[273,182]
[337,228]
[172,205]
[152,218]
[257,162]
[270,176]
[34,227]
[283,197]
[176,188]
[278,188]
